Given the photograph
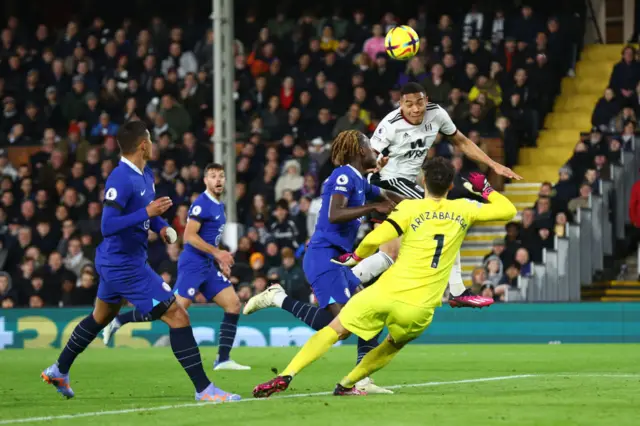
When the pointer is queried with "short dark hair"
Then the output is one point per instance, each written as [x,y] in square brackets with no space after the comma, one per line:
[438,173]
[512,225]
[282,204]
[514,265]
[213,166]
[411,88]
[130,135]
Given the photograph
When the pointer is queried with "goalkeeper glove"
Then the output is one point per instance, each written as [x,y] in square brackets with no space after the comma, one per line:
[478,184]
[347,259]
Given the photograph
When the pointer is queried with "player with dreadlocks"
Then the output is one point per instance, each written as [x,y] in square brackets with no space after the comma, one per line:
[344,194]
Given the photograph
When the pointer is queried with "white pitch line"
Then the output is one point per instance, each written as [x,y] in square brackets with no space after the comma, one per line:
[609,375]
[204,404]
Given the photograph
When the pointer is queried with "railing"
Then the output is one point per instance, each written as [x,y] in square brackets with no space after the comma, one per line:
[577,258]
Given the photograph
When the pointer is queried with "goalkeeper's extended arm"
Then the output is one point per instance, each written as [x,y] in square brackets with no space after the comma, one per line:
[499,207]
[384,233]
[387,231]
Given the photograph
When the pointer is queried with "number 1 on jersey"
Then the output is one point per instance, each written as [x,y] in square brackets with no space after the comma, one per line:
[436,256]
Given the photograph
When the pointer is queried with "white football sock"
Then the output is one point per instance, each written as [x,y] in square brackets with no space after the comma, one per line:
[456,284]
[278,298]
[372,267]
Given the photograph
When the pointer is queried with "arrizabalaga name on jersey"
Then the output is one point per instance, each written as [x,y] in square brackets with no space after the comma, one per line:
[433,215]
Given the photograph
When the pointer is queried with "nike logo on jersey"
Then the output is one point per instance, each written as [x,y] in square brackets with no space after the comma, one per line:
[142,193]
[217,217]
[360,192]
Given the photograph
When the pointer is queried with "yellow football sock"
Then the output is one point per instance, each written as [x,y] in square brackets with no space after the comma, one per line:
[315,347]
[372,362]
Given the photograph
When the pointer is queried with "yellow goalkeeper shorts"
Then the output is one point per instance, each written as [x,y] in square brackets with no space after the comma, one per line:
[366,314]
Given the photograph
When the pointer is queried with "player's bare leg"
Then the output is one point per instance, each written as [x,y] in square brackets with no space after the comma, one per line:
[316,346]
[84,333]
[228,300]
[186,351]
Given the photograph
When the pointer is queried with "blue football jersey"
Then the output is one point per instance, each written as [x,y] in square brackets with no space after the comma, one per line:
[347,181]
[210,213]
[128,189]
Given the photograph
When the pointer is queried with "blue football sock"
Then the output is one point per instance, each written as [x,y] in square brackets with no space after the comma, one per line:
[186,351]
[82,336]
[313,316]
[365,346]
[132,316]
[228,329]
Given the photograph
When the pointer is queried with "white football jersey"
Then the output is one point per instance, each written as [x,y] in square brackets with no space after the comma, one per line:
[407,144]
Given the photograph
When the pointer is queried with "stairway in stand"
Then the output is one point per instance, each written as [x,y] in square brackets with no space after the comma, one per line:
[571,115]
[480,238]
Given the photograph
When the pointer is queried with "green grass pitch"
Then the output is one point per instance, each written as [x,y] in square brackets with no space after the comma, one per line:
[454,385]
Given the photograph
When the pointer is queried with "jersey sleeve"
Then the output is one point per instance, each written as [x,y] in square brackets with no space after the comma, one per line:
[341,183]
[498,208]
[447,127]
[381,137]
[400,217]
[118,190]
[197,211]
[371,191]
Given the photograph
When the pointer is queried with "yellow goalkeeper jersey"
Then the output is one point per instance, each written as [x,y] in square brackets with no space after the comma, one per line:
[432,232]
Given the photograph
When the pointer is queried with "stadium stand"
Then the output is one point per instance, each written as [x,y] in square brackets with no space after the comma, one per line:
[301,77]
[580,222]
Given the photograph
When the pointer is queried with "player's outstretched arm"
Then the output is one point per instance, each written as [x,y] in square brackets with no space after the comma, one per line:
[471,150]
[390,229]
[113,221]
[393,196]
[499,207]
[340,213]
[192,237]
[387,231]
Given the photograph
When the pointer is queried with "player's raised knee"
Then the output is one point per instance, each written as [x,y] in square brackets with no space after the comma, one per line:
[233,307]
[396,344]
[176,316]
[337,326]
[391,249]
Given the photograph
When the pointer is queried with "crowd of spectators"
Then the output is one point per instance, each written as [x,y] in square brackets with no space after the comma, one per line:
[298,82]
[614,131]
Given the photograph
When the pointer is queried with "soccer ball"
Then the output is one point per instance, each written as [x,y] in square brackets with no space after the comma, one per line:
[402,42]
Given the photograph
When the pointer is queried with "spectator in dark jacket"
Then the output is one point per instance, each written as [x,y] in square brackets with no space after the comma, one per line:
[565,189]
[33,122]
[350,121]
[625,75]
[74,100]
[292,277]
[436,85]
[606,108]
[283,229]
[175,115]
